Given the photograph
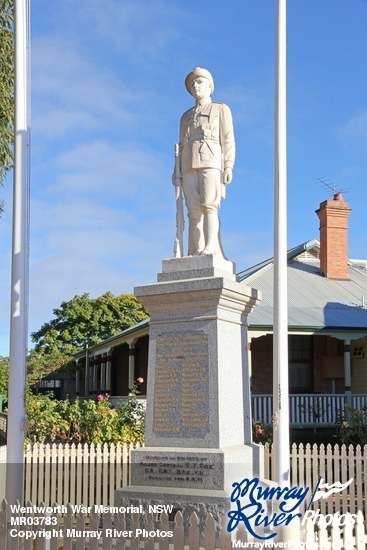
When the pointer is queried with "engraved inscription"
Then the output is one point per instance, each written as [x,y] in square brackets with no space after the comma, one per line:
[181,396]
[180,471]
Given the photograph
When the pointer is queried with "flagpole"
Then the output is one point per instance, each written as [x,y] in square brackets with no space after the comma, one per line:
[281,463]
[20,260]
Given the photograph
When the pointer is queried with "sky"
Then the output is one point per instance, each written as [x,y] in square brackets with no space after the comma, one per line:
[107,95]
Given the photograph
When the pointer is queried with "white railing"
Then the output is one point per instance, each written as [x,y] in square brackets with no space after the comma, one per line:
[332,463]
[308,409]
[83,473]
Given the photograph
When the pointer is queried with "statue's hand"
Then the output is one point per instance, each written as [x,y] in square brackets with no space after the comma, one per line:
[175,179]
[227,176]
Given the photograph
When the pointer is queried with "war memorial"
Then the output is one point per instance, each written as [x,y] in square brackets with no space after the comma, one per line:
[198,425]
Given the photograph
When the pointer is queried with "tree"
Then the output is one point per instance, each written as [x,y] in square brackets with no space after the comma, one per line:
[84,320]
[6,88]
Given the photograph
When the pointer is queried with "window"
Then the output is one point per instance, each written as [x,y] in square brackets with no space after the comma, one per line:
[358,352]
[300,364]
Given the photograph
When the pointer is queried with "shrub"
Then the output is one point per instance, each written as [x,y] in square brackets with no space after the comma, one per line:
[353,428]
[86,421]
[262,434]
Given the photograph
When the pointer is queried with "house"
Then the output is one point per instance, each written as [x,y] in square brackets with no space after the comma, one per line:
[327,313]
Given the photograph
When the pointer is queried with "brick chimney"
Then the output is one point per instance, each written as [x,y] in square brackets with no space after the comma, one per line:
[333,217]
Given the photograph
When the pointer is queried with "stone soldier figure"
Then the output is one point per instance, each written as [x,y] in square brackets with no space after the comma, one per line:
[206,158]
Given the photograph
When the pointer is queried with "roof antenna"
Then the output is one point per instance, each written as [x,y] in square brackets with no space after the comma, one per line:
[334,191]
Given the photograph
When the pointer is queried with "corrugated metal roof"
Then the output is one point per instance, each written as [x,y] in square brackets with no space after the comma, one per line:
[313,300]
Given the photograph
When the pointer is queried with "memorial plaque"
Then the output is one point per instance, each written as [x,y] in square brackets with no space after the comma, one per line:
[181,396]
[179,469]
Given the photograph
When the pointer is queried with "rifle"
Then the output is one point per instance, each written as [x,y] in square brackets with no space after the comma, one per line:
[180,222]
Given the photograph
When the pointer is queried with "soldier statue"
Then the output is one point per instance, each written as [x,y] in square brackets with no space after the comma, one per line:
[205,162]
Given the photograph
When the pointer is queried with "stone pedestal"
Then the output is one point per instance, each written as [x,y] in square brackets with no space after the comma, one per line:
[198,426]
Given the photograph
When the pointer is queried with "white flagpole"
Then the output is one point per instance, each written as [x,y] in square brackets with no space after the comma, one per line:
[20,261]
[280,355]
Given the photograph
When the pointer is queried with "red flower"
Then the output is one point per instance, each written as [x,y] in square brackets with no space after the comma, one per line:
[100,397]
[140,380]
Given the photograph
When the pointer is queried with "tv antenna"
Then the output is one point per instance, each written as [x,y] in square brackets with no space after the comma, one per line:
[333,189]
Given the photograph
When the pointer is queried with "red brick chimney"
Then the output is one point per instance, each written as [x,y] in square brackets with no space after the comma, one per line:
[333,217]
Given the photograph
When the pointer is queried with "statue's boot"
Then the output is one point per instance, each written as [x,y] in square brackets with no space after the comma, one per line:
[196,236]
[211,233]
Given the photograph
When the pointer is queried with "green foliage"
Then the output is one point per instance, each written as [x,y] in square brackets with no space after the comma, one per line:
[4,377]
[39,364]
[84,320]
[6,88]
[262,434]
[85,421]
[353,429]
[44,419]
[131,416]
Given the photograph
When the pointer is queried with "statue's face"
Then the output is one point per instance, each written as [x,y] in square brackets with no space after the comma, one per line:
[201,88]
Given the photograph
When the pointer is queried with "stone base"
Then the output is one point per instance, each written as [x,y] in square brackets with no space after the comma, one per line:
[189,480]
[198,425]
[192,267]
[185,500]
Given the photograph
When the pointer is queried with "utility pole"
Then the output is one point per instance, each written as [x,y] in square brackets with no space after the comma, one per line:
[280,353]
[20,259]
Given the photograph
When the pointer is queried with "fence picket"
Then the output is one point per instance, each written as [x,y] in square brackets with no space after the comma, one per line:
[125,471]
[60,474]
[134,525]
[28,528]
[120,525]
[209,540]
[68,524]
[337,475]
[92,473]
[164,526]
[148,526]
[351,473]
[344,478]
[360,537]
[294,466]
[335,540]
[72,473]
[80,526]
[54,476]
[93,526]
[225,542]
[85,473]
[105,486]
[178,531]
[301,465]
[66,480]
[112,467]
[107,524]
[194,534]
[54,541]
[119,465]
[34,495]
[98,474]
[308,466]
[322,534]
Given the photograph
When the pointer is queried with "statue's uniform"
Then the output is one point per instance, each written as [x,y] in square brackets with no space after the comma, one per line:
[207,147]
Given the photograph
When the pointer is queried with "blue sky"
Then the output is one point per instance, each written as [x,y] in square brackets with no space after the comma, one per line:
[107,94]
